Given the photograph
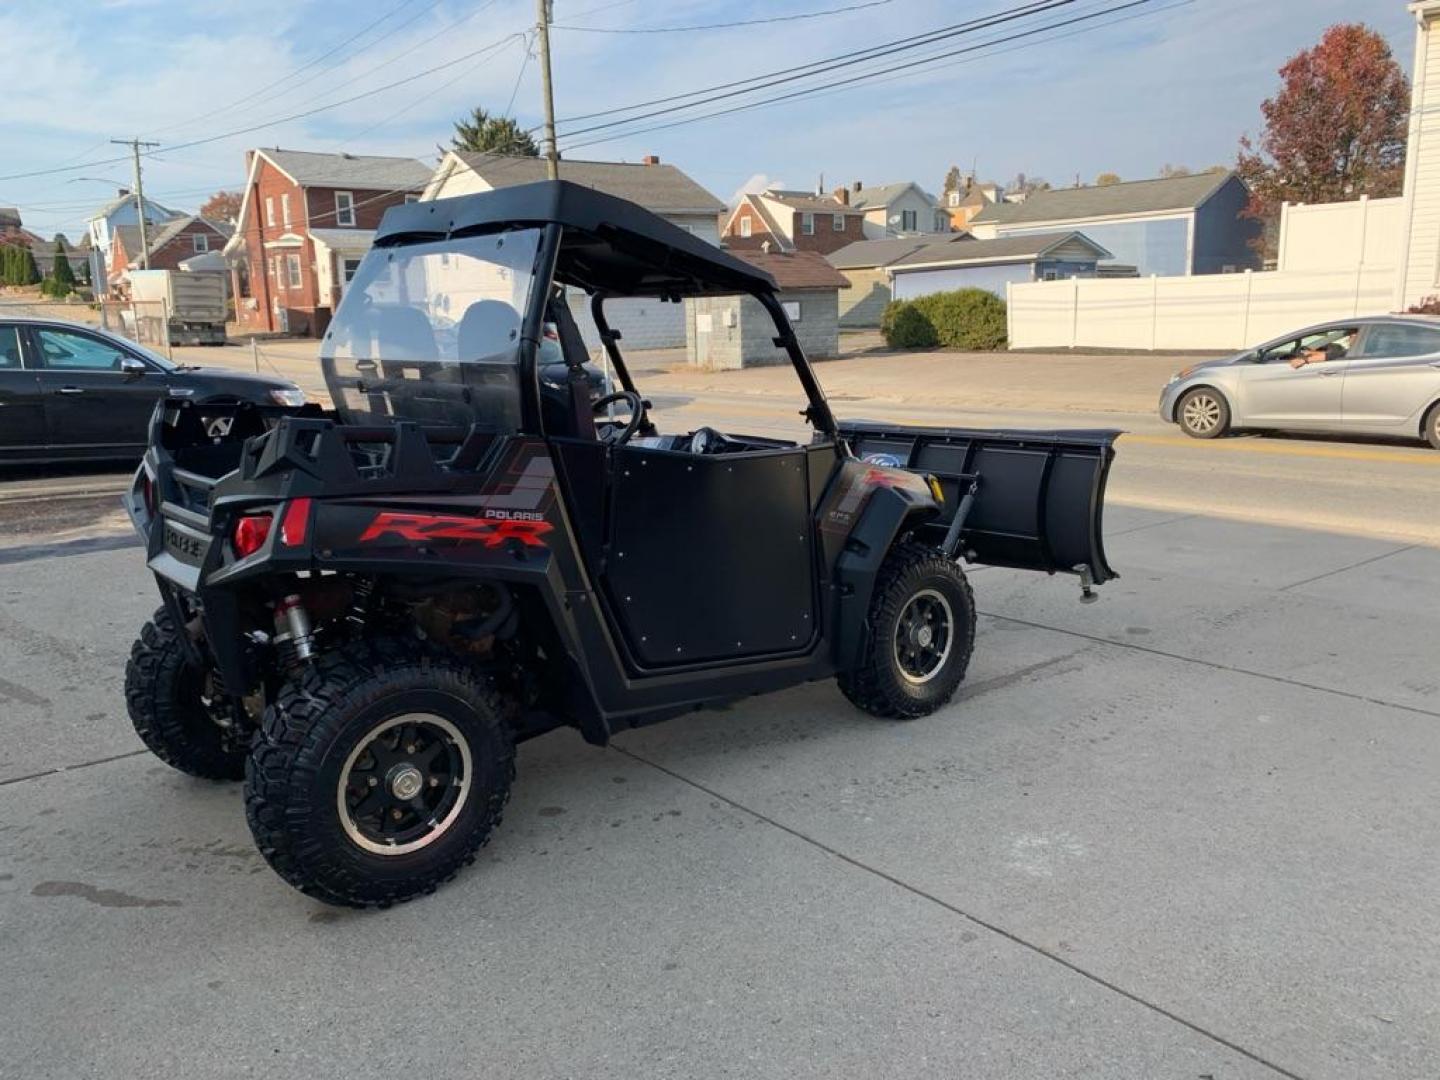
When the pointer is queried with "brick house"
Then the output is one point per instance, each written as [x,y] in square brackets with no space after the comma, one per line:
[305,222]
[793,221]
[170,244]
[12,231]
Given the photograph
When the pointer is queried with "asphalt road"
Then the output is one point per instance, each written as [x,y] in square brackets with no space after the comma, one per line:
[1370,487]
[1182,832]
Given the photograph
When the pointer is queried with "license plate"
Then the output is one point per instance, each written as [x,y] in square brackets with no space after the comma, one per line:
[183,544]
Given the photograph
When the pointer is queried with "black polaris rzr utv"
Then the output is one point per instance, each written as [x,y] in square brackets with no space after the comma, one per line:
[365,609]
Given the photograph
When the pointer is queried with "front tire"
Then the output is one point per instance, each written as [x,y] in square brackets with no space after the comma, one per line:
[1203,413]
[165,695]
[921,632]
[379,773]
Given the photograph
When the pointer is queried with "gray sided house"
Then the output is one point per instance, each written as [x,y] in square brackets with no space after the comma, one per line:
[992,264]
[1172,227]
[866,263]
[728,332]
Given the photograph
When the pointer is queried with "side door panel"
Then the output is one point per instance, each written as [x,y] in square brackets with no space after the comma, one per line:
[92,408]
[710,558]
[22,410]
[1395,375]
[1272,392]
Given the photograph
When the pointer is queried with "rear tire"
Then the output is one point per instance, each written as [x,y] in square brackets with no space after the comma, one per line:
[163,694]
[1203,413]
[379,773]
[921,632]
[1432,426]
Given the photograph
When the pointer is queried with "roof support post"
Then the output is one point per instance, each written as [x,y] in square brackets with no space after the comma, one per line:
[818,411]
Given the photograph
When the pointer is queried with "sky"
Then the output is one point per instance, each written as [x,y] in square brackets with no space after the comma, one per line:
[1163,81]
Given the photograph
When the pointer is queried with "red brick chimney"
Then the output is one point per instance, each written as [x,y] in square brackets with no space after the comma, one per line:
[842,195]
[650,159]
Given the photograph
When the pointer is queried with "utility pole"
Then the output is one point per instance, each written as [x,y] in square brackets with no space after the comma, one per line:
[135,145]
[542,29]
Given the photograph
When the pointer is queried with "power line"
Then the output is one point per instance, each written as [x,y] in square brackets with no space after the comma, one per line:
[720,26]
[859,55]
[276,121]
[290,75]
[464,74]
[515,92]
[853,80]
[788,75]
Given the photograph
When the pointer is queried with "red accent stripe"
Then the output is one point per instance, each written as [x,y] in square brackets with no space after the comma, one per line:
[296,523]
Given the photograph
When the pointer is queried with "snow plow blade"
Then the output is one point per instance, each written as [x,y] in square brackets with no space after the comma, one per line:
[1032,500]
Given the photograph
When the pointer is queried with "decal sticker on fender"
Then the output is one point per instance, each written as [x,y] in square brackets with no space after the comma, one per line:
[489,531]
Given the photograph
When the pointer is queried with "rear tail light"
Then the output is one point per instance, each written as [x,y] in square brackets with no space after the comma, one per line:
[250,534]
[147,492]
[296,523]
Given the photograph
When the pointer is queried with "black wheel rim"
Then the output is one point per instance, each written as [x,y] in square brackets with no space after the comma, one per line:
[404,784]
[923,636]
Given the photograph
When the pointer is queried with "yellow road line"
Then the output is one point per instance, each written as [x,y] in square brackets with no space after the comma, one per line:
[1256,446]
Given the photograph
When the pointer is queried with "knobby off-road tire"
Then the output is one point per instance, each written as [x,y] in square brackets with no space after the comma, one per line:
[395,716]
[898,677]
[163,691]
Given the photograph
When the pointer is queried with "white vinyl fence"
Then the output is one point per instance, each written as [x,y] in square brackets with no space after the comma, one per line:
[1209,311]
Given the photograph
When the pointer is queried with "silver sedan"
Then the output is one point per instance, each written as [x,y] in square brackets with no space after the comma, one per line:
[1370,376]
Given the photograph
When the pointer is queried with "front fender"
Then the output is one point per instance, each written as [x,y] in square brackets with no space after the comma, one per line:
[889,512]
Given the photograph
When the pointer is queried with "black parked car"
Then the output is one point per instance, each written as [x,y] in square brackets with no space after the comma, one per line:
[70,392]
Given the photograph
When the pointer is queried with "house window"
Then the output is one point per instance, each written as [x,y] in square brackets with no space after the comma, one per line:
[792,310]
[202,242]
[344,208]
[285,209]
[270,211]
[807,224]
[907,221]
[412,197]
[745,227]
[837,223]
[351,265]
[292,271]
[1049,275]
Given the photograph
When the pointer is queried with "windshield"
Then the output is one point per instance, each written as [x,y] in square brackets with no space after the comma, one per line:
[431,333]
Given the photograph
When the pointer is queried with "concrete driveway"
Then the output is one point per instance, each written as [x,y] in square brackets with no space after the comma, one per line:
[1183,832]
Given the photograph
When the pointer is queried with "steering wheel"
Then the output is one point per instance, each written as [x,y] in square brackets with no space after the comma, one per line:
[636,404]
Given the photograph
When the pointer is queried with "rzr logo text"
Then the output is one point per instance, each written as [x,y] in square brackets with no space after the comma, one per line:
[425,527]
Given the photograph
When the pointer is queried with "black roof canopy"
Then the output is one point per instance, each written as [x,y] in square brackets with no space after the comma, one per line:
[609,245]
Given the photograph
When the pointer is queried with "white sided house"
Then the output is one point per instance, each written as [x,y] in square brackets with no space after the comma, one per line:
[662,189]
[901,209]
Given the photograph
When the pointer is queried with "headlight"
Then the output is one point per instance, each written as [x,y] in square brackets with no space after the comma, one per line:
[293,397]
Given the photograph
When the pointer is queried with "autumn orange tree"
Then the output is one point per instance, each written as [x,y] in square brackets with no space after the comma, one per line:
[1336,129]
[222,206]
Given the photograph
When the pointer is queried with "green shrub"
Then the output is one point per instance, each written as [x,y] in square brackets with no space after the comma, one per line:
[963,319]
[63,274]
[904,326]
[966,318]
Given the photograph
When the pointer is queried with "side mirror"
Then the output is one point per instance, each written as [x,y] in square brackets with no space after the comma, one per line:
[133,368]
